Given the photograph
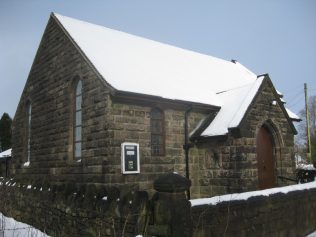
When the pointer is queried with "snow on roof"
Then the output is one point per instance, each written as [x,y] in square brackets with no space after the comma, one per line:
[292,115]
[235,105]
[135,64]
[247,195]
[6,153]
[279,93]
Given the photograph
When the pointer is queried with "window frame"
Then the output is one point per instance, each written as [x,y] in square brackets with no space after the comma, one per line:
[160,132]
[28,130]
[77,120]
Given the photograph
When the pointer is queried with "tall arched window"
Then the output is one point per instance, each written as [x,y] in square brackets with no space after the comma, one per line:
[28,130]
[157,132]
[78,120]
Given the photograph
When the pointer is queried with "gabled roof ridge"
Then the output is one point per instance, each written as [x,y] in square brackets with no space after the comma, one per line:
[151,67]
[246,102]
[234,108]
[59,16]
[235,88]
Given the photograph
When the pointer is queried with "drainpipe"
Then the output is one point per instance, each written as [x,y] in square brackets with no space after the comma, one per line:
[187,145]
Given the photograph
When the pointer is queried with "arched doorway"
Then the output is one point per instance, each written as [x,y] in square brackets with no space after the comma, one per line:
[265,159]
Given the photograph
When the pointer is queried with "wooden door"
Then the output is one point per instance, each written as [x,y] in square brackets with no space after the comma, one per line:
[265,159]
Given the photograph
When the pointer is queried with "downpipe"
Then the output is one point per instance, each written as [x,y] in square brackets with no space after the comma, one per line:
[187,145]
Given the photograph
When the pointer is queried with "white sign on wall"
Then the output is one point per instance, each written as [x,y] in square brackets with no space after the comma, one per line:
[130,158]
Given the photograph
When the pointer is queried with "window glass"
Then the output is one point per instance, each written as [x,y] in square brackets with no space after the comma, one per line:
[78,102]
[156,114]
[78,120]
[29,118]
[78,149]
[157,132]
[79,88]
[156,127]
[78,134]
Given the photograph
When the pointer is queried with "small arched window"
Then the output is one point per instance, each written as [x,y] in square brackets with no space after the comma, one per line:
[28,130]
[78,121]
[157,132]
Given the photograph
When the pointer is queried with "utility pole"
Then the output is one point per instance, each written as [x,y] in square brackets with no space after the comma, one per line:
[309,147]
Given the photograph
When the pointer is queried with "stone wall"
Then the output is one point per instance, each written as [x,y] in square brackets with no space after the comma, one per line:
[75,210]
[282,215]
[94,210]
[49,89]
[106,124]
[131,123]
[229,164]
[217,166]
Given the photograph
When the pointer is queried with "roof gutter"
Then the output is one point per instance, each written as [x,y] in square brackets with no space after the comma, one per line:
[145,99]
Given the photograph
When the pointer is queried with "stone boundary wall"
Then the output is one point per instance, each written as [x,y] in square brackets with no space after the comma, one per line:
[90,210]
[70,210]
[279,214]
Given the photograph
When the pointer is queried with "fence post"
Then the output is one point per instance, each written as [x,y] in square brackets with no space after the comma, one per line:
[172,210]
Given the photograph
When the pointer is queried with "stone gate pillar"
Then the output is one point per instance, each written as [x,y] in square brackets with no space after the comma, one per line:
[171,208]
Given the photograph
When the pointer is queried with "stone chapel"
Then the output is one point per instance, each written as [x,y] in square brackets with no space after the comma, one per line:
[106,107]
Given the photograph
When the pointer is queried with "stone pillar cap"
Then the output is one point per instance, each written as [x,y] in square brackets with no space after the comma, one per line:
[172,183]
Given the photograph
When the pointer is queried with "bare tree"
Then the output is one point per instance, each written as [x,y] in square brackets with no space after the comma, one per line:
[301,139]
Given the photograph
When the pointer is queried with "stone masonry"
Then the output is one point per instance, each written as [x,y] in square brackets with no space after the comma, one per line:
[217,165]
[229,165]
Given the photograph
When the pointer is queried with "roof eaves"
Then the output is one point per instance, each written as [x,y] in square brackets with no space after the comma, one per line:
[145,98]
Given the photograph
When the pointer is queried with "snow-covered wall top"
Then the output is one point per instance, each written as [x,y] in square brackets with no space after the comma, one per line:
[247,195]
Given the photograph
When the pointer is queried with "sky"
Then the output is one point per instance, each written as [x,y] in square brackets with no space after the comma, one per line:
[277,37]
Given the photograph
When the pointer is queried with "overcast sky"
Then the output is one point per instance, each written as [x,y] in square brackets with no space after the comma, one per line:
[271,36]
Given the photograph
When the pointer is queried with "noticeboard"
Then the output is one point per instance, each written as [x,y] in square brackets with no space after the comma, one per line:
[130,158]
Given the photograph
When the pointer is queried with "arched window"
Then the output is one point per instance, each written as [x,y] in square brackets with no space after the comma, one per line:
[78,121]
[157,132]
[28,131]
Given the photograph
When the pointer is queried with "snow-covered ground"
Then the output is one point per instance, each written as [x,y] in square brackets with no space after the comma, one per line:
[312,234]
[12,228]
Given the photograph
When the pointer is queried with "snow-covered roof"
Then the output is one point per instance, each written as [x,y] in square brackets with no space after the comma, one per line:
[135,64]
[6,153]
[292,115]
[235,104]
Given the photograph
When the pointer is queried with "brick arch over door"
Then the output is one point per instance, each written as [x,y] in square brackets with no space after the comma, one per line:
[268,145]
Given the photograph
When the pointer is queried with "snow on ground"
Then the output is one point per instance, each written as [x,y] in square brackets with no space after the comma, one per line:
[247,195]
[5,153]
[312,234]
[305,166]
[12,228]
